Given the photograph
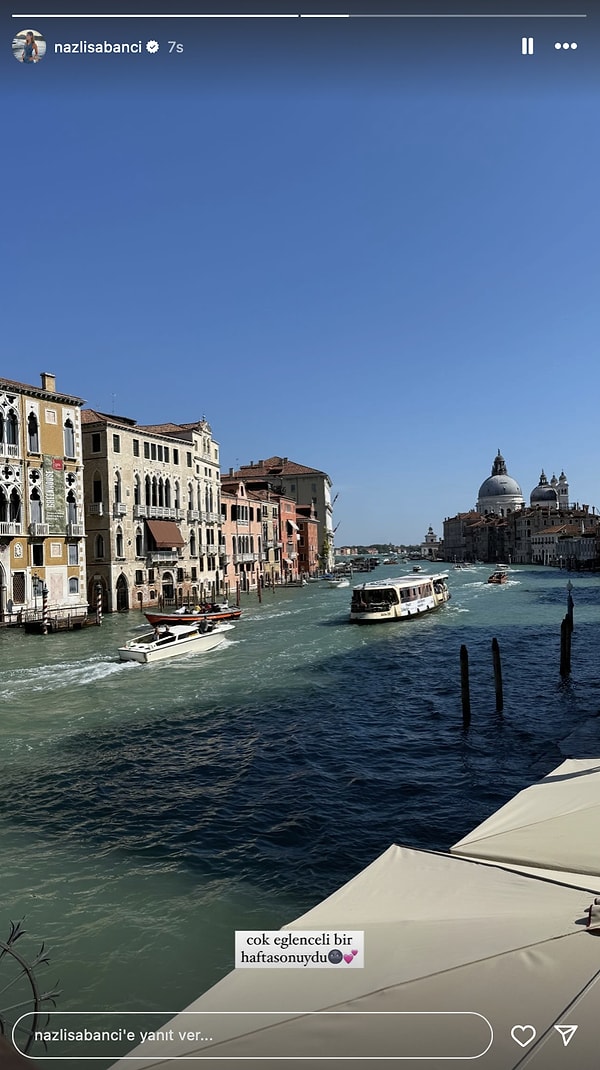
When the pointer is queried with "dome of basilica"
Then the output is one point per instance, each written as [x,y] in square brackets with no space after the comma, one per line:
[499,493]
[544,493]
[499,482]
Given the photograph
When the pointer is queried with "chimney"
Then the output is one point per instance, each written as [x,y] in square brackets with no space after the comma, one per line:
[48,382]
[231,471]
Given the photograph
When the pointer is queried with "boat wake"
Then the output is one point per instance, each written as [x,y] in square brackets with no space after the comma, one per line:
[62,675]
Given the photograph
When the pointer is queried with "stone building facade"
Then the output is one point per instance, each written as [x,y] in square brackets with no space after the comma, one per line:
[305,485]
[42,534]
[153,511]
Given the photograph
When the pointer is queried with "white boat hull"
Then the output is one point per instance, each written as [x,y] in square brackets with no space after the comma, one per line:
[399,599]
[147,649]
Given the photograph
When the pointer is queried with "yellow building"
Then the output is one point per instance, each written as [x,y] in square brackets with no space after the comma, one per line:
[42,544]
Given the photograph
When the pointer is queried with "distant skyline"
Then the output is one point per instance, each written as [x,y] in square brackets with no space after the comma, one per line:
[375,258]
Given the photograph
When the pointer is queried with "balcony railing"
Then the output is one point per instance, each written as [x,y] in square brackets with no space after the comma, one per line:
[38,530]
[7,449]
[242,559]
[96,508]
[119,509]
[156,512]
[163,557]
[75,531]
[193,514]
[10,527]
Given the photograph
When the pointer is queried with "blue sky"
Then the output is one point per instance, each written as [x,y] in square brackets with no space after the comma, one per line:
[374,255]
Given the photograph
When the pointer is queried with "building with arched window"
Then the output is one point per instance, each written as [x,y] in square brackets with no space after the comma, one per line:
[41,500]
[153,498]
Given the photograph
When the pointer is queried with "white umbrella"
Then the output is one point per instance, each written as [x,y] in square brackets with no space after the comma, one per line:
[442,934]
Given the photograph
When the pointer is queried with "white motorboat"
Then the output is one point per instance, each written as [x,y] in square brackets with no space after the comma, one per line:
[167,641]
[406,596]
[341,581]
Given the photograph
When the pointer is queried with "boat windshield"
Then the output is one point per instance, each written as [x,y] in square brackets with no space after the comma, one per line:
[365,599]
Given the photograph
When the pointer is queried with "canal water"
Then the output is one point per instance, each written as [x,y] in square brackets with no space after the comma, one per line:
[146,812]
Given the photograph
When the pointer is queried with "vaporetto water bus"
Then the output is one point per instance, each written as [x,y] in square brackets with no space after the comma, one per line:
[406,596]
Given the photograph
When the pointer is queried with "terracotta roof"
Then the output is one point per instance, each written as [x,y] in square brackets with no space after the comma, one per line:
[279,466]
[93,416]
[161,429]
[38,391]
[172,428]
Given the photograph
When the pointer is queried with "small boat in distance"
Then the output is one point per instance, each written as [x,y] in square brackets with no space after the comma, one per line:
[399,598]
[417,568]
[499,576]
[188,614]
[339,581]
[167,641]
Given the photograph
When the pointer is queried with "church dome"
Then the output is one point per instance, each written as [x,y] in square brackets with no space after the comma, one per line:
[499,482]
[499,493]
[544,493]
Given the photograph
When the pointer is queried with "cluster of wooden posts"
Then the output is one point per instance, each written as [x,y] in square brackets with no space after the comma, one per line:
[464,681]
[566,630]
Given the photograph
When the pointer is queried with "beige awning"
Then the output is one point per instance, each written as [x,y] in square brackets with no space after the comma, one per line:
[165,533]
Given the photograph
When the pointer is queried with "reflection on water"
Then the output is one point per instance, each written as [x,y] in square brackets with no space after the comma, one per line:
[147,811]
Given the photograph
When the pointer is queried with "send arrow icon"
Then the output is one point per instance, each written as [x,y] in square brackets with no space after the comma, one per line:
[567,1032]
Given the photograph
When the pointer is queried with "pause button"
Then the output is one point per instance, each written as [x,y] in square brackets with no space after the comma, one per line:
[527,46]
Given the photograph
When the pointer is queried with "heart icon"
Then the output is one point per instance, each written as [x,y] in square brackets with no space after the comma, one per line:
[354,951]
[523,1034]
[348,958]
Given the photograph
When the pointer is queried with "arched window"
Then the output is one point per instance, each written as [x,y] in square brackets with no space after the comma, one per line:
[73,585]
[35,507]
[71,508]
[234,544]
[137,491]
[192,543]
[1,427]
[117,487]
[12,429]
[154,491]
[148,485]
[168,493]
[190,496]
[3,506]
[33,435]
[119,542]
[139,542]
[161,493]
[15,506]
[206,499]
[69,436]
[99,547]
[177,495]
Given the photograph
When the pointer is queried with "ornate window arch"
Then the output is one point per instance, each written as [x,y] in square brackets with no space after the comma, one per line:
[69,437]
[33,433]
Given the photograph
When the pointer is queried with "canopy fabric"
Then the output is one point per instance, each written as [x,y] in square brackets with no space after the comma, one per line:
[442,933]
[165,533]
[552,827]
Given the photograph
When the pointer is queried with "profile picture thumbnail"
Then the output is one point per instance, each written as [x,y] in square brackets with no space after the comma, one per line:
[29,46]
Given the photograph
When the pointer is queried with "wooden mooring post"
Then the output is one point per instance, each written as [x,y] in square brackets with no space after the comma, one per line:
[464,686]
[497,676]
[566,630]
